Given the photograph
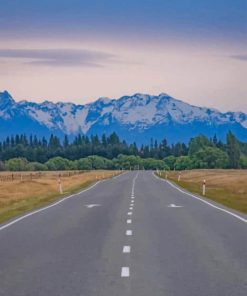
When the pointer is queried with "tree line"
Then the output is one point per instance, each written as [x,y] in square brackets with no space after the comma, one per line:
[20,152]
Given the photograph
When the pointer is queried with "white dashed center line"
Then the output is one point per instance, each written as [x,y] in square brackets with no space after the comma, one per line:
[126,249]
[125,272]
[129,232]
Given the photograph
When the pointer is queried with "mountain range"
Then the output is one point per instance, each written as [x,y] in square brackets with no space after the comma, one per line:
[138,118]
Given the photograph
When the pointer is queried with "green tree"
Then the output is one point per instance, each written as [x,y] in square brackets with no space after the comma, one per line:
[170,161]
[243,162]
[210,157]
[36,166]
[59,164]
[16,164]
[153,164]
[183,163]
[198,143]
[233,150]
[84,164]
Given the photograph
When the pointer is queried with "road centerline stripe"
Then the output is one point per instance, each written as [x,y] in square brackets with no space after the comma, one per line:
[125,272]
[126,249]
[129,232]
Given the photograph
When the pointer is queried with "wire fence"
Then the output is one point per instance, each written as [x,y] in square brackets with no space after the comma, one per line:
[25,176]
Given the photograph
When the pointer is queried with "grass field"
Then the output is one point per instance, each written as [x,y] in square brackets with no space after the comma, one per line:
[228,187]
[24,194]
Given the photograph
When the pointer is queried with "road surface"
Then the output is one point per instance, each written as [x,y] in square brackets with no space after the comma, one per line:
[134,235]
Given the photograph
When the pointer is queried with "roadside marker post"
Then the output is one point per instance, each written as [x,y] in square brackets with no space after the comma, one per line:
[204,187]
[179,176]
[60,186]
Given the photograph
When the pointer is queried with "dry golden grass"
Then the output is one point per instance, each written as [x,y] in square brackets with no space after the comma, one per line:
[19,196]
[228,187]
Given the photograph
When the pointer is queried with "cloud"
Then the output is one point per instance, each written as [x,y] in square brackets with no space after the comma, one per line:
[59,57]
[242,57]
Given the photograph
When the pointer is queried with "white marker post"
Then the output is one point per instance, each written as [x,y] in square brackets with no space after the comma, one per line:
[204,187]
[179,176]
[60,186]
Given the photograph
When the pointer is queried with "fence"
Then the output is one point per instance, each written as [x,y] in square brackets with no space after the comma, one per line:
[25,176]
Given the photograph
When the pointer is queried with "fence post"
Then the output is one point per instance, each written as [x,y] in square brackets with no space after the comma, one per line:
[204,187]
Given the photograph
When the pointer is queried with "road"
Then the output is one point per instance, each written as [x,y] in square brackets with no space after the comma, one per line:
[132,235]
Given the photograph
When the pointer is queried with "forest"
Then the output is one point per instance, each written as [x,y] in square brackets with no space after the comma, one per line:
[20,152]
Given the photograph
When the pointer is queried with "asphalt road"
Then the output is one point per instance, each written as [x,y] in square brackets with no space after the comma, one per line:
[104,242]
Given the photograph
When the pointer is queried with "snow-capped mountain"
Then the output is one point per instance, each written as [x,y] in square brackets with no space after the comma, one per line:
[134,118]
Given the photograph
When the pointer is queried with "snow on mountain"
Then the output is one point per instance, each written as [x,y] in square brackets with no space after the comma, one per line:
[134,117]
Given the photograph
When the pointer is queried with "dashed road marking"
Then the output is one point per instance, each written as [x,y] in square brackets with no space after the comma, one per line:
[125,272]
[129,232]
[126,249]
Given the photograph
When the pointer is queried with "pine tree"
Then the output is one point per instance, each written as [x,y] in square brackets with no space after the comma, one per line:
[233,150]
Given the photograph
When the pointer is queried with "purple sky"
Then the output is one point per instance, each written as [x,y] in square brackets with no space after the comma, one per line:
[77,50]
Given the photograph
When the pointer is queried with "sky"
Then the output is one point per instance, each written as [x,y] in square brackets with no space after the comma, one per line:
[80,50]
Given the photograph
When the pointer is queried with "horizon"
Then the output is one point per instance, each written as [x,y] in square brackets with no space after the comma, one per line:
[79,51]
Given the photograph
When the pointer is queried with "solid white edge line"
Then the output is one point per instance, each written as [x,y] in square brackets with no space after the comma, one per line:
[125,272]
[121,174]
[202,200]
[47,207]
